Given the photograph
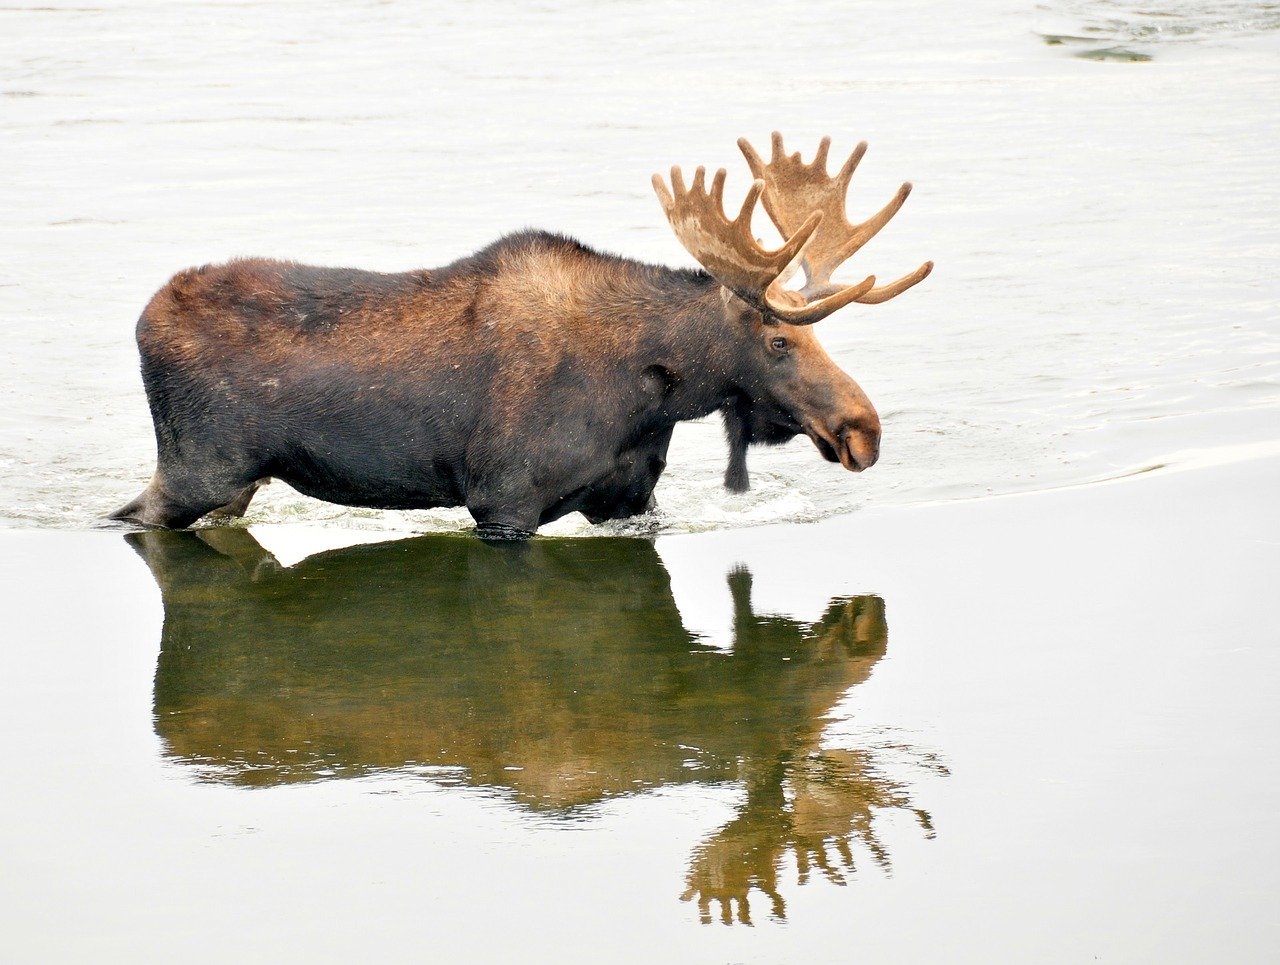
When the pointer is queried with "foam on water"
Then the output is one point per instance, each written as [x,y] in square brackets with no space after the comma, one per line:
[1105,232]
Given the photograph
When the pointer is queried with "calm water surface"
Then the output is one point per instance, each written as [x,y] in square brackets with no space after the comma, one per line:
[894,737]
[559,675]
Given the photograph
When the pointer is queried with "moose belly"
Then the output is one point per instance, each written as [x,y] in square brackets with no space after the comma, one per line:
[375,474]
[373,492]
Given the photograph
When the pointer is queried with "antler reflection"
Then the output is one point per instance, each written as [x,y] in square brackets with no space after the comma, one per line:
[816,804]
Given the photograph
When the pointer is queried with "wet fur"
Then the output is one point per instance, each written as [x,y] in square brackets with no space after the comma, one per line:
[532,379]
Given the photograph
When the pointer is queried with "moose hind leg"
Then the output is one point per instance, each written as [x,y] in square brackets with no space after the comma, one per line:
[240,505]
[172,506]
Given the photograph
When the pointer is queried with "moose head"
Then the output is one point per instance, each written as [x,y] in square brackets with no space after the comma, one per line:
[791,384]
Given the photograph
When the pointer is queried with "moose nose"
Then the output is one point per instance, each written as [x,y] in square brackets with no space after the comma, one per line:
[862,444]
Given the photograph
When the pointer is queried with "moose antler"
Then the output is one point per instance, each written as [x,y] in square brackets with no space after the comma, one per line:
[731,254]
[794,190]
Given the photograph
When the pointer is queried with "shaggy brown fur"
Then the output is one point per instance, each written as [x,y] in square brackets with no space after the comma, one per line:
[532,379]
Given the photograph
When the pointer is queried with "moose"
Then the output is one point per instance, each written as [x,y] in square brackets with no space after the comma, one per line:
[535,378]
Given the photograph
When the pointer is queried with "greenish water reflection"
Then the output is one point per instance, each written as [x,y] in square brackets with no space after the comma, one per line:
[559,670]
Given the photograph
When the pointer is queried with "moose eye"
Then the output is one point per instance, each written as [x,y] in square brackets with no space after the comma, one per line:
[778,343]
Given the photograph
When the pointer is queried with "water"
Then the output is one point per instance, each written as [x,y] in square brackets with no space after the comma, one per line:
[1097,26]
[917,729]
[469,666]
[1105,233]
[1019,729]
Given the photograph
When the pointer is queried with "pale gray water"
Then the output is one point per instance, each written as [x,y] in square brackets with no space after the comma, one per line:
[1029,729]
[1043,729]
[1105,233]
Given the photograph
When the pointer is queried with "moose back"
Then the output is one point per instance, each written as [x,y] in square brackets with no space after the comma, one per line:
[532,379]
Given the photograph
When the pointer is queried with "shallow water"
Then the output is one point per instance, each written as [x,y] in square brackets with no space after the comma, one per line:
[555,678]
[1035,728]
[1105,233]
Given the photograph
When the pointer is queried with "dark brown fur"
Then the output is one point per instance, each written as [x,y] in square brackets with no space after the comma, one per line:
[533,379]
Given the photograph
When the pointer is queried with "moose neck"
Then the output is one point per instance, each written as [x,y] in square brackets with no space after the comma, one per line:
[684,337]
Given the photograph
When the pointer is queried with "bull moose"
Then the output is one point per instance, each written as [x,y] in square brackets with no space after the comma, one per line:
[535,378]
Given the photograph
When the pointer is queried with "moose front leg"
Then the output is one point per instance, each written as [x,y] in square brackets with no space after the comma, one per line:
[628,490]
[505,523]
[737,432]
[505,509]
[493,532]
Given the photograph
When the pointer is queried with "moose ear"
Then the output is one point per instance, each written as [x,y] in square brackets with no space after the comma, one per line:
[736,308]
[737,433]
[731,301]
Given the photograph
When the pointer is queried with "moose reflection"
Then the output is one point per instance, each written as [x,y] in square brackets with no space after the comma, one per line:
[559,671]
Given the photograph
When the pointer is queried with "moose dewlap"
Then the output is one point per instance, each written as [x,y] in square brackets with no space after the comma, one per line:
[534,378]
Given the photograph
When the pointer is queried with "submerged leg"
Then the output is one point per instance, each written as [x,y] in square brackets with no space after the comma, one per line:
[628,490]
[505,507]
[504,524]
[158,505]
[623,507]
[502,533]
[240,505]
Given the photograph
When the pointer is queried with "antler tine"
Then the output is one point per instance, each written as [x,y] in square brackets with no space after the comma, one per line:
[882,294]
[749,205]
[871,227]
[727,248]
[819,282]
[794,189]
[820,158]
[845,174]
[717,188]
